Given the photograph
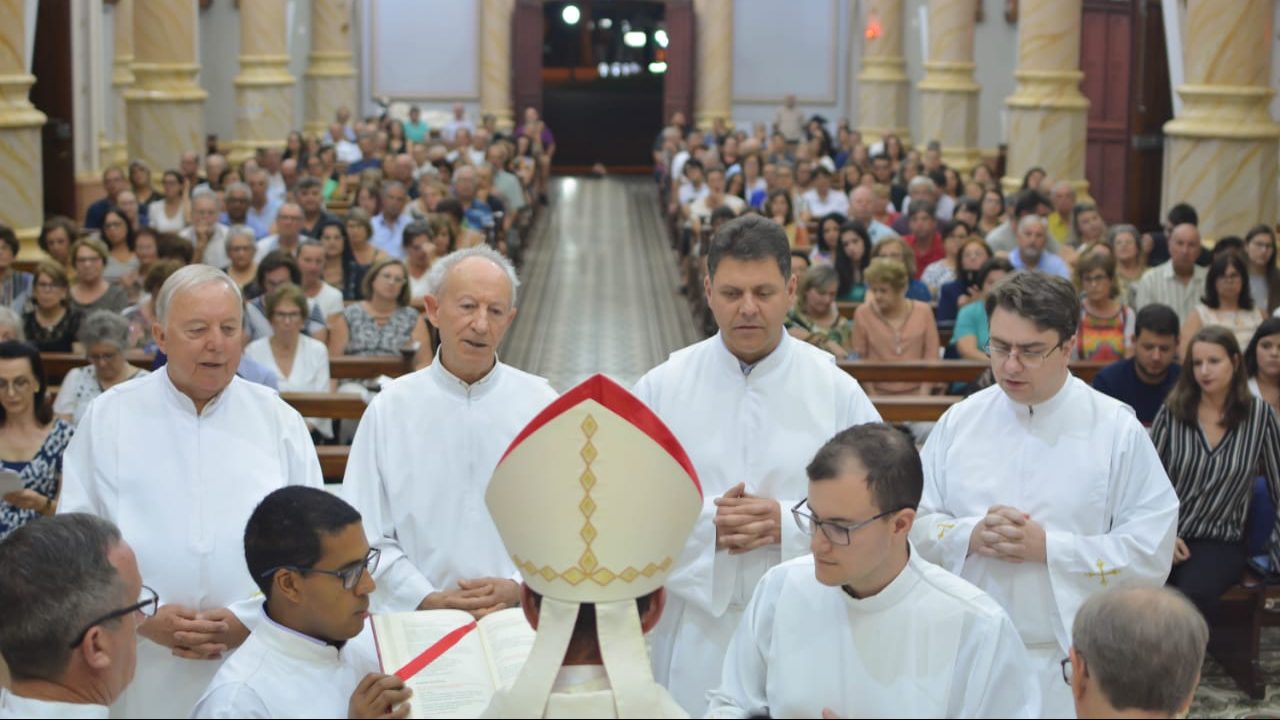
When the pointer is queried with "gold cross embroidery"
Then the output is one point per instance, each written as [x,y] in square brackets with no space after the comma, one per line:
[1102,574]
[943,528]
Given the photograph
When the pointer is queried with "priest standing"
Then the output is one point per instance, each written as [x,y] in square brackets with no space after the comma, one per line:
[428,443]
[752,405]
[1039,489]
[864,627]
[178,460]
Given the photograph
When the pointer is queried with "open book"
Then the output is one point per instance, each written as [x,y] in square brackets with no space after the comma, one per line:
[461,680]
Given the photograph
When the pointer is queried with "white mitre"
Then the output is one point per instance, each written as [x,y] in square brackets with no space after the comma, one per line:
[594,501]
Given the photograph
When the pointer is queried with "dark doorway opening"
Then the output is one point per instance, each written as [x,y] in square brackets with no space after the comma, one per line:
[603,67]
[52,95]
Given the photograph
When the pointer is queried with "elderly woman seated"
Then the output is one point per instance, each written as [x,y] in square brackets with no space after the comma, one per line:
[51,323]
[383,322]
[301,363]
[815,318]
[891,327]
[105,337]
[10,325]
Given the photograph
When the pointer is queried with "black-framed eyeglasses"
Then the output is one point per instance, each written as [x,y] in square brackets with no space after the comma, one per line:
[1068,669]
[837,533]
[349,575]
[147,603]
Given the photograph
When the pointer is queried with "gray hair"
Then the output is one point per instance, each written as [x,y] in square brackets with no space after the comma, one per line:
[440,269]
[242,231]
[190,278]
[239,187]
[1115,231]
[9,318]
[1033,219]
[206,193]
[1144,646]
[57,580]
[104,326]
[1047,300]
[920,181]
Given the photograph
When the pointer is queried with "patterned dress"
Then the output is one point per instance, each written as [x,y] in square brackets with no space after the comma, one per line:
[40,474]
[366,337]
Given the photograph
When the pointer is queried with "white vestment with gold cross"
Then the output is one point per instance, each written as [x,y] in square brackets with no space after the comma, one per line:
[1080,465]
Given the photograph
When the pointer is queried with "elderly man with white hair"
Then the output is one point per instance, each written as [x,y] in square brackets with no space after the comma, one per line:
[1033,235]
[421,460]
[206,234]
[178,460]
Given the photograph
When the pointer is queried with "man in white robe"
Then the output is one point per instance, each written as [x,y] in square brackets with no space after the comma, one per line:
[313,653]
[1039,489]
[594,501]
[178,460]
[752,405]
[73,600]
[864,627]
[425,449]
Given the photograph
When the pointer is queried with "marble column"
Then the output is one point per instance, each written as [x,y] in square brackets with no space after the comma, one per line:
[165,106]
[331,71]
[495,61]
[883,83]
[1221,148]
[264,87]
[116,149]
[1048,115]
[713,79]
[948,93]
[21,187]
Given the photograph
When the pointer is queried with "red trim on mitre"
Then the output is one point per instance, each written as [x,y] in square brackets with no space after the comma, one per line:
[618,400]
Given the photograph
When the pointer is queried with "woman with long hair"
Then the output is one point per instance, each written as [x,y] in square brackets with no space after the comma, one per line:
[1212,436]
[1226,302]
[1106,323]
[1262,363]
[172,211]
[852,256]
[32,440]
[1264,276]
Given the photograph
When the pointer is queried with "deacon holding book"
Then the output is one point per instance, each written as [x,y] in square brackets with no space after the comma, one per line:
[429,441]
[594,500]
[312,655]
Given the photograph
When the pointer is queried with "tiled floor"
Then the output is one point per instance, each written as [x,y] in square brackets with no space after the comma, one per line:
[599,290]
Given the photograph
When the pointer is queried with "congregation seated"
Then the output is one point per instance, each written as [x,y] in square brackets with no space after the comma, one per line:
[781,209]
[1262,363]
[279,268]
[1106,323]
[91,290]
[970,336]
[383,322]
[814,318]
[972,254]
[1131,260]
[172,211]
[208,236]
[142,314]
[891,327]
[1144,380]
[10,325]
[1213,437]
[852,256]
[32,440]
[1227,302]
[51,322]
[118,236]
[1264,275]
[897,249]
[104,335]
[826,237]
[924,239]
[15,285]
[288,233]
[241,248]
[56,236]
[943,270]
[1031,253]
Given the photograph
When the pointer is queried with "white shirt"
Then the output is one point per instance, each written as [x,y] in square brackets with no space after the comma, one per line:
[1161,284]
[272,242]
[418,469]
[347,152]
[580,691]
[761,427]
[390,236]
[215,251]
[16,706]
[450,128]
[835,201]
[181,487]
[310,371]
[329,300]
[281,673]
[1082,466]
[418,285]
[160,222]
[80,387]
[928,645]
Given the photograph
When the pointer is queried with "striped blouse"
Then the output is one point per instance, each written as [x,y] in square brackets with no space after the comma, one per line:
[1214,486]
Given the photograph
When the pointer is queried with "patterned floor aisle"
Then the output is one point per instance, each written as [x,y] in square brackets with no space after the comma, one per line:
[599,288]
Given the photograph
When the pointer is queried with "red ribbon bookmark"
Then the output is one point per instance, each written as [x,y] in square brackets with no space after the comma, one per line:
[428,656]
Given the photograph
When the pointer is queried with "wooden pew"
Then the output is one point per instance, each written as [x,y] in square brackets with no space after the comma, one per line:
[57,365]
[336,406]
[1235,637]
[913,408]
[939,371]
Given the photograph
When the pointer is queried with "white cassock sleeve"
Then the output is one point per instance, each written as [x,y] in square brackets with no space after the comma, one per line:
[743,690]
[940,537]
[86,478]
[1142,514]
[405,585]
[233,700]
[992,677]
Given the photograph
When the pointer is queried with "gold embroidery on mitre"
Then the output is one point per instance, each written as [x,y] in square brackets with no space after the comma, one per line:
[588,567]
[1101,574]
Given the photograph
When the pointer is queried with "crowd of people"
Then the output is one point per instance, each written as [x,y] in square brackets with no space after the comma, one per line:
[1012,567]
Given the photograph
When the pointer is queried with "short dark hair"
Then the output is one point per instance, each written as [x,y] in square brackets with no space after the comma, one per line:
[57,580]
[1217,269]
[286,529]
[895,475]
[1027,202]
[1228,243]
[921,206]
[1157,319]
[1270,326]
[750,237]
[10,238]
[415,230]
[992,265]
[1047,300]
[308,183]
[275,260]
[1183,213]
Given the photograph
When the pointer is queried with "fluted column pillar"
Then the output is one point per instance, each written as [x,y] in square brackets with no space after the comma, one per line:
[495,61]
[1047,112]
[116,150]
[948,93]
[21,187]
[713,84]
[165,106]
[264,87]
[1220,152]
[331,71]
[883,83]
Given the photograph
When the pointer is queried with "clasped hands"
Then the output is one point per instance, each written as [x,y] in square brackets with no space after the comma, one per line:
[745,522]
[479,597]
[192,634]
[1006,533]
